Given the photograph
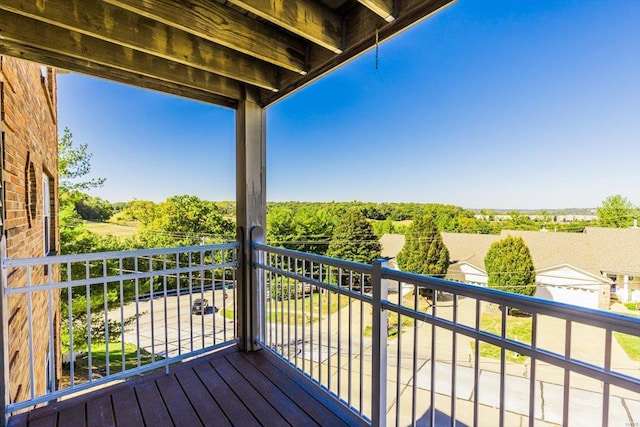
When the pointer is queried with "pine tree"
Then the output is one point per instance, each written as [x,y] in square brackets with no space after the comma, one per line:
[423,251]
[353,239]
[510,267]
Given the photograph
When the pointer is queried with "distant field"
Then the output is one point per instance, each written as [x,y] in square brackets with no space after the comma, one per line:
[104,228]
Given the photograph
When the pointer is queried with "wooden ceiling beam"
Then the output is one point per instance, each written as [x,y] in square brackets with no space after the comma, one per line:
[113,74]
[382,8]
[222,25]
[360,36]
[66,43]
[306,18]
[124,28]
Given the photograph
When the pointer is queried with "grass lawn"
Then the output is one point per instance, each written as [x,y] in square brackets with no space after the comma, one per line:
[105,228]
[630,344]
[99,361]
[518,328]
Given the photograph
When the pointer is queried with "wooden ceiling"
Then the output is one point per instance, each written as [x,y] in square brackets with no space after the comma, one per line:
[207,50]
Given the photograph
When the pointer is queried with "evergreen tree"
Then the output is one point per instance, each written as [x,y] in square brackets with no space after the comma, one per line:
[423,251]
[616,211]
[510,267]
[353,239]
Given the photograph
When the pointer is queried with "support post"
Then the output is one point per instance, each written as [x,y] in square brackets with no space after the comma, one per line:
[251,208]
[5,397]
[379,362]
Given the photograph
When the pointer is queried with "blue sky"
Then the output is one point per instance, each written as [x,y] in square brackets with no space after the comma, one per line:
[488,104]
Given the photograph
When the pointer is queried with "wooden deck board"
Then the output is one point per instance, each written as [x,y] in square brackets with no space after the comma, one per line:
[72,416]
[229,402]
[177,402]
[320,413]
[100,412]
[127,414]
[204,404]
[225,388]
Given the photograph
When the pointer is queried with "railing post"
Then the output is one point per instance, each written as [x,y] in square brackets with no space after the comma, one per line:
[5,398]
[379,357]
[251,208]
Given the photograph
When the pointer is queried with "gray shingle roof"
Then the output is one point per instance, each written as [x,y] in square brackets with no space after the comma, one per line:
[597,250]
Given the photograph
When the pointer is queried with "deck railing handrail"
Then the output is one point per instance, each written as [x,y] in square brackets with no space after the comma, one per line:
[177,273]
[285,268]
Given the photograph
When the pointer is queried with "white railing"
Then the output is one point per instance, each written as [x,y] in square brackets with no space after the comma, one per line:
[119,314]
[378,341]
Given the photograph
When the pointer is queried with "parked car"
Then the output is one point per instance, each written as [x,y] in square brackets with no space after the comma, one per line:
[199,306]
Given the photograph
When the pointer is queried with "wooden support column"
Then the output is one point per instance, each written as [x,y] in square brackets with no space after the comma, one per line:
[251,208]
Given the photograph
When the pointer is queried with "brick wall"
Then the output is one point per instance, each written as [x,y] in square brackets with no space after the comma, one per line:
[29,155]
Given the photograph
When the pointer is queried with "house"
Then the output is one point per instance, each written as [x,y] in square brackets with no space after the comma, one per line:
[575,268]
[29,179]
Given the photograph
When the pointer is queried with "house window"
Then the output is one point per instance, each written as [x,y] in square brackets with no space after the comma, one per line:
[31,191]
[46,214]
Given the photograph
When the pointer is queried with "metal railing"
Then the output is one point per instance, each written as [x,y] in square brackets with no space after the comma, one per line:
[119,314]
[406,349]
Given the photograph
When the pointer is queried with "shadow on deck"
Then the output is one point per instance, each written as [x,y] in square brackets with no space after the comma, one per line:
[224,388]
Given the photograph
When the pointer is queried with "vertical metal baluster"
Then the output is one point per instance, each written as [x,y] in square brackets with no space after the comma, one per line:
[434,295]
[106,314]
[178,299]
[137,291]
[567,373]
[339,337]
[361,345]
[121,289]
[234,273]
[72,361]
[503,362]
[304,320]
[350,358]
[454,364]
[202,312]
[289,310]
[30,326]
[476,368]
[329,327]
[89,349]
[190,265]
[311,306]
[399,359]
[51,367]
[272,296]
[320,295]
[224,296]
[532,377]
[153,323]
[166,312]
[416,292]
[295,309]
[607,386]
[282,296]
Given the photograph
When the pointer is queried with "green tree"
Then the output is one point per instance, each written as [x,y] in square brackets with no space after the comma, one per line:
[423,251]
[510,267]
[616,211]
[74,162]
[353,239]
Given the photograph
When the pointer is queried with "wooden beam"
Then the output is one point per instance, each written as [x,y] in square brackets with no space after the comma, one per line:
[59,41]
[225,26]
[124,28]
[306,18]
[360,37]
[114,74]
[382,8]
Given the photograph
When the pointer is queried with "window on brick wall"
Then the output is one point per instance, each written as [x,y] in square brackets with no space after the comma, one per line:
[46,214]
[31,191]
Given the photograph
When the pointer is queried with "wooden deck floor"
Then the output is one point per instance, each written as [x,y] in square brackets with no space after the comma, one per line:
[226,388]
